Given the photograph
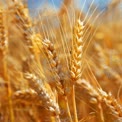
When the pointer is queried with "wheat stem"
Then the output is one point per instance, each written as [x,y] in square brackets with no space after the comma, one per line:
[3,52]
[75,118]
[101,116]
[68,109]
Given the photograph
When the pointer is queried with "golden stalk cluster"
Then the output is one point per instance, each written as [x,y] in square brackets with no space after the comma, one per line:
[51,72]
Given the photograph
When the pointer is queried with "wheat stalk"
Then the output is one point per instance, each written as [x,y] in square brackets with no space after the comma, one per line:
[76,60]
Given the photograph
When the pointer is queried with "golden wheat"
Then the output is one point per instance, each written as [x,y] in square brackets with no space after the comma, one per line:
[50,70]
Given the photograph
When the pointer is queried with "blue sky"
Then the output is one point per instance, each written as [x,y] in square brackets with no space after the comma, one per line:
[35,5]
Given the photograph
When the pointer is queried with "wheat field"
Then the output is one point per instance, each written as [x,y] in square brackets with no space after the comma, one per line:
[62,64]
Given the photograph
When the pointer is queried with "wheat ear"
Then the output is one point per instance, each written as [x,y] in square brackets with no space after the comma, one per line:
[77,46]
[32,40]
[27,95]
[98,95]
[54,63]
[24,20]
[103,63]
[37,85]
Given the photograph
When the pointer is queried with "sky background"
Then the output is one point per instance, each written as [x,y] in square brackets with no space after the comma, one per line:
[35,5]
